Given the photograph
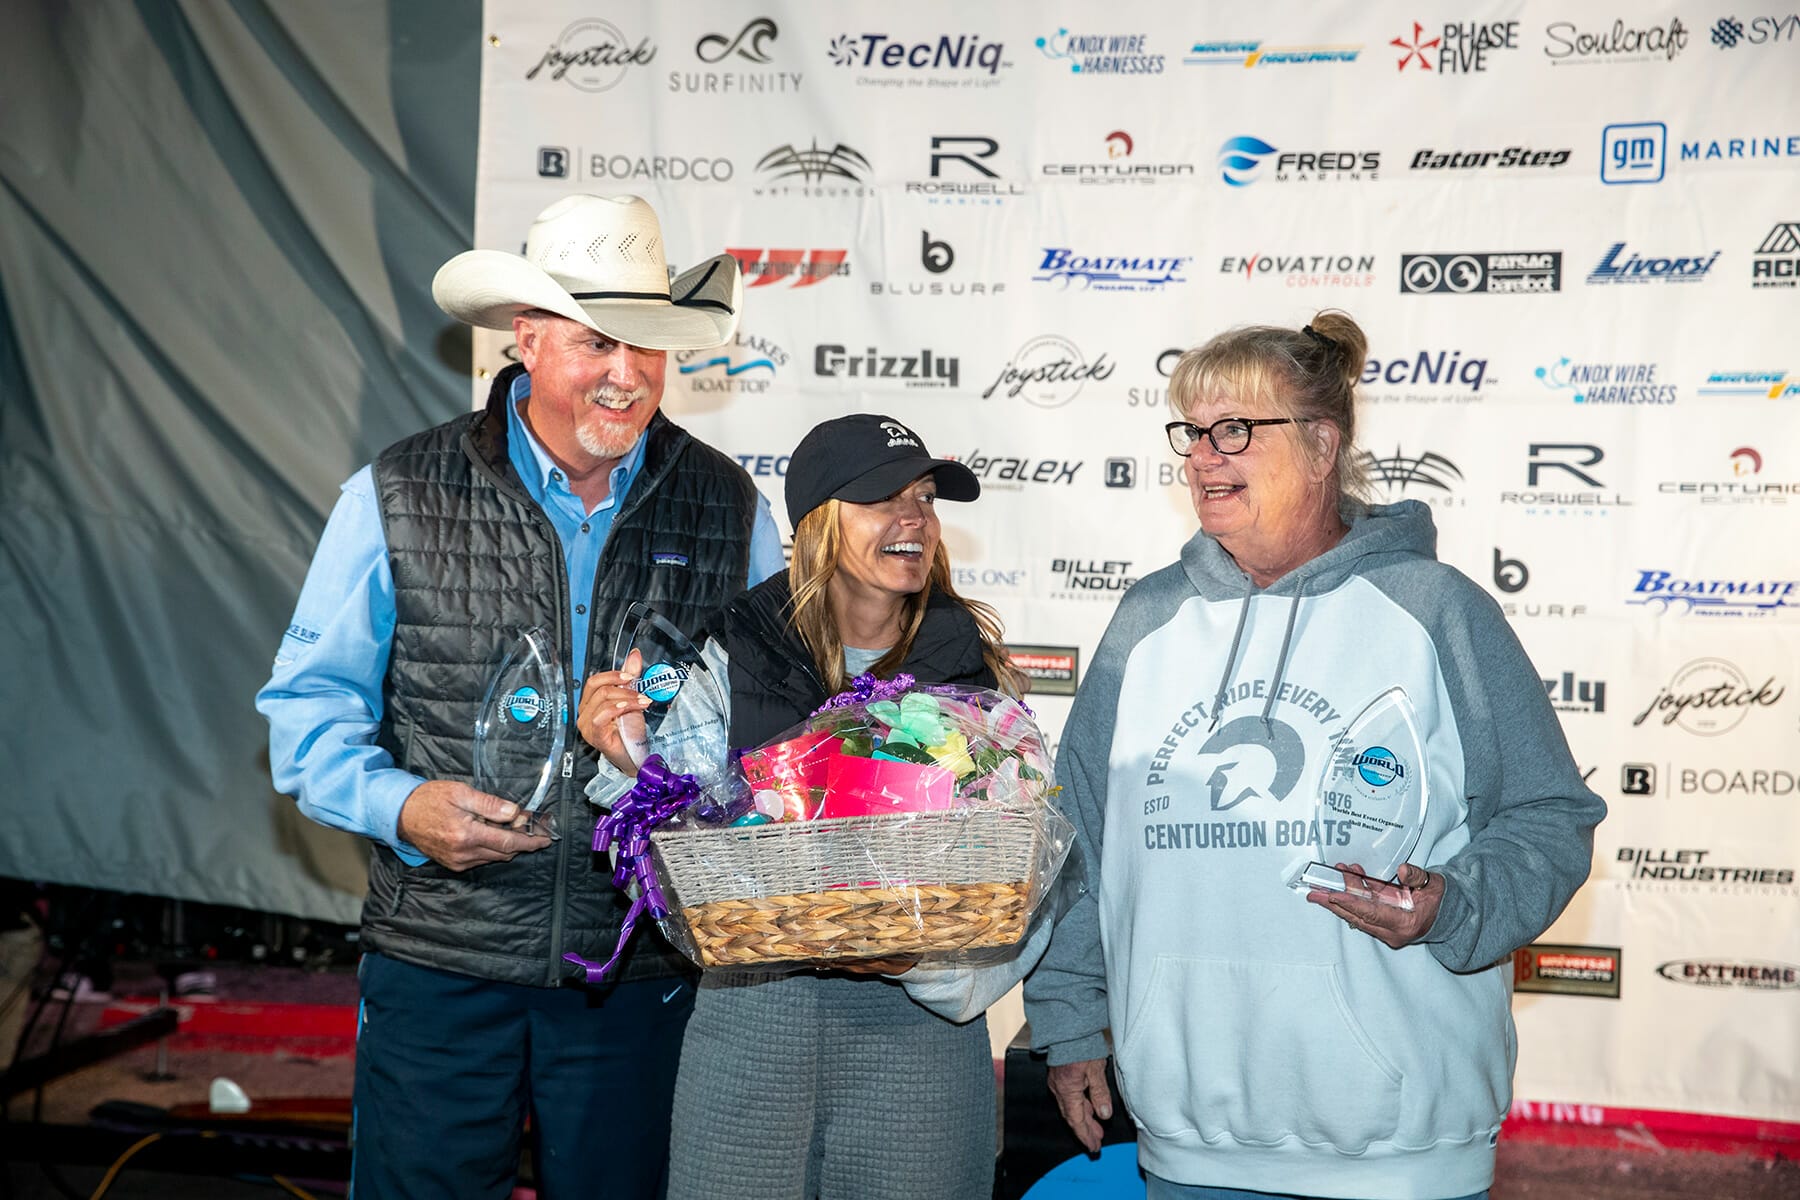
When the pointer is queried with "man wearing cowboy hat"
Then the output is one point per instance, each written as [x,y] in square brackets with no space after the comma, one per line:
[565,500]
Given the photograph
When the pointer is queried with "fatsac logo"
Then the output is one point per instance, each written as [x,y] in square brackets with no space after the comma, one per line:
[1571,695]
[802,268]
[1254,54]
[744,367]
[1634,153]
[1303,270]
[592,55]
[936,256]
[1754,148]
[961,172]
[1709,696]
[1695,865]
[1003,470]
[1745,463]
[1458,49]
[1119,166]
[1090,576]
[560,162]
[1048,371]
[1549,464]
[1619,265]
[1748,974]
[1505,159]
[1241,160]
[1462,374]
[1053,670]
[737,55]
[1567,44]
[1728,33]
[922,370]
[1091,54]
[1606,382]
[1713,596]
[1491,273]
[1751,385]
[966,60]
[1069,271]
[819,172]
[1776,263]
[1567,970]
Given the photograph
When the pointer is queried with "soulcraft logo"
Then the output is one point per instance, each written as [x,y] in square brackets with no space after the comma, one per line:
[1119,167]
[960,61]
[1459,49]
[1617,382]
[1741,597]
[1708,697]
[1567,44]
[1303,270]
[802,268]
[592,55]
[1254,54]
[1618,265]
[1090,54]
[1067,270]
[1728,33]
[1241,160]
[1750,974]
[1467,273]
[1048,371]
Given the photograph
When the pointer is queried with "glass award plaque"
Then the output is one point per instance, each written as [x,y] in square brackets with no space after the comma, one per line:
[520,730]
[1370,804]
[685,722]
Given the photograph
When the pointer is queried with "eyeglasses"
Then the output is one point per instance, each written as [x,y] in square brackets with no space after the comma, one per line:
[1229,435]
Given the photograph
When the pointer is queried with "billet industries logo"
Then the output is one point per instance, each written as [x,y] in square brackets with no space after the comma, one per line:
[1767,385]
[745,366]
[1513,272]
[1634,153]
[1750,974]
[1559,481]
[1048,371]
[1090,54]
[1457,49]
[1695,865]
[802,268]
[1728,33]
[1119,166]
[962,60]
[1568,44]
[1241,160]
[1053,670]
[592,55]
[1568,970]
[1619,265]
[1101,578]
[814,166]
[764,466]
[1618,382]
[1739,597]
[737,57]
[1303,270]
[1071,271]
[1709,696]
[1776,262]
[925,369]
[1745,464]
[1253,54]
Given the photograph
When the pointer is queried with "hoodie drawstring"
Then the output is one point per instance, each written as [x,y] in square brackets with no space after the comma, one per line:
[1287,642]
[1230,659]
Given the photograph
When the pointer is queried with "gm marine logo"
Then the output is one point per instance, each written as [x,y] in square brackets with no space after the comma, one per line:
[1492,273]
[1634,153]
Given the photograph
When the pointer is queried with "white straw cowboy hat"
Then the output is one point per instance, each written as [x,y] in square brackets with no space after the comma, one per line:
[597,260]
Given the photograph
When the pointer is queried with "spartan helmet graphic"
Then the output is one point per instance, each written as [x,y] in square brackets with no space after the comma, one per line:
[1247,758]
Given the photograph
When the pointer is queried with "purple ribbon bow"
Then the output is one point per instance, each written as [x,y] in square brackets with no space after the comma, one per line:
[659,794]
[868,688]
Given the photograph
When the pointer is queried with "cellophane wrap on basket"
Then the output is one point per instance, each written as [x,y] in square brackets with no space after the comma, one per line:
[899,821]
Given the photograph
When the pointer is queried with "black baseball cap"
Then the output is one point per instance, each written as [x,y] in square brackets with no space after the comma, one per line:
[866,457]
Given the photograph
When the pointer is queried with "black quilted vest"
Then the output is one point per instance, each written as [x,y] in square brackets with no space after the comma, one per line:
[475,562]
[773,681]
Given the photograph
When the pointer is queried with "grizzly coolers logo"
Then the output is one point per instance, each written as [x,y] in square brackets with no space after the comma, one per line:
[592,55]
[1053,670]
[1749,974]
[803,268]
[1709,696]
[1048,371]
[925,369]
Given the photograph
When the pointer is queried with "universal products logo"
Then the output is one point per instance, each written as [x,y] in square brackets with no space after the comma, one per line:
[1048,371]
[1492,273]
[1709,696]
[592,55]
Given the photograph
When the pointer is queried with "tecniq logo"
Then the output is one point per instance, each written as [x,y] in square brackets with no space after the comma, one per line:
[966,60]
[591,55]
[1737,973]
[1430,376]
[1048,371]
[1709,696]
[1487,272]
[1241,160]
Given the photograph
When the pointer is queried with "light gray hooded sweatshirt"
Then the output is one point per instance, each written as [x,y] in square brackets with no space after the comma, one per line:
[1261,1042]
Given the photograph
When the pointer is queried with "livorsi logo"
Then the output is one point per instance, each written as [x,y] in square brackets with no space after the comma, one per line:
[1489,272]
[790,170]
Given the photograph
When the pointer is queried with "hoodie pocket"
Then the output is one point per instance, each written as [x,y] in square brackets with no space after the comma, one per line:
[1258,1052]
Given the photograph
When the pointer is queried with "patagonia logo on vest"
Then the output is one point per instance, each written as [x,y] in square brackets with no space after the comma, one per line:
[668,558]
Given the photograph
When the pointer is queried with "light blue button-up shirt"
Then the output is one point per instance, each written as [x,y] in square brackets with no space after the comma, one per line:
[323,699]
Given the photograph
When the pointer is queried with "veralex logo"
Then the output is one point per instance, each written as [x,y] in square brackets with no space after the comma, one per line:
[803,268]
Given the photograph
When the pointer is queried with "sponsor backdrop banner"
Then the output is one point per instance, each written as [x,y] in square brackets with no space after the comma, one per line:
[1570,231]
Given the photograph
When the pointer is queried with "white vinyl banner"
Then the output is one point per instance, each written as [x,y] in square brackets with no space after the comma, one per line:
[1570,230]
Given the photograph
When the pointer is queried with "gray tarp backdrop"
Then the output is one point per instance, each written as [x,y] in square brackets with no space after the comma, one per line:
[219,220]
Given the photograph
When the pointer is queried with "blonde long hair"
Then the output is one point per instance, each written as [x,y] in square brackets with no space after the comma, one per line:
[817,545]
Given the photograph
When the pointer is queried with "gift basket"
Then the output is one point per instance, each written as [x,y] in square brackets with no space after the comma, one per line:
[898,821]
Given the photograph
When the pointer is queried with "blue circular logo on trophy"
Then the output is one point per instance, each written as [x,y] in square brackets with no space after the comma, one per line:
[519,729]
[1378,767]
[661,681]
[525,705]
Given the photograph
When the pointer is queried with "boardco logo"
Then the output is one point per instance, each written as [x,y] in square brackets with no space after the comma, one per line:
[592,55]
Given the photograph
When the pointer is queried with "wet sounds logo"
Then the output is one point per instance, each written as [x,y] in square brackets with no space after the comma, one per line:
[1709,696]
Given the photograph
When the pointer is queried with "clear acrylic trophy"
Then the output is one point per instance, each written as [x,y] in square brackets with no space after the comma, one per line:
[1371,804]
[520,731]
[685,722]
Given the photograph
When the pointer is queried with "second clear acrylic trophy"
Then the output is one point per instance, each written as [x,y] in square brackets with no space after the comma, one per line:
[1371,804]
[685,722]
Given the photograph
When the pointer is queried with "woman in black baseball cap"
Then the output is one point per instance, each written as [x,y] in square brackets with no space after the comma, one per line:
[906,1106]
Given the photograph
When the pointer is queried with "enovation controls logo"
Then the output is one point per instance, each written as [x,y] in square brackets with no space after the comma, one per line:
[1510,273]
[802,268]
[1254,54]
[1048,371]
[1091,54]
[592,55]
[1567,970]
[1304,270]
[814,167]
[1709,696]
[1749,974]
[925,369]
[1241,160]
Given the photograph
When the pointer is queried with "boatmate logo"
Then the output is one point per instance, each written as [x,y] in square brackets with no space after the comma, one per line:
[1109,272]
[525,705]
[1664,591]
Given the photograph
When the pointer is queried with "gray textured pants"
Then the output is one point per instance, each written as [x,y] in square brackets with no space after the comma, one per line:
[829,1087]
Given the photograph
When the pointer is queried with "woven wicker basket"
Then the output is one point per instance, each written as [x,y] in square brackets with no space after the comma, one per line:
[853,887]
